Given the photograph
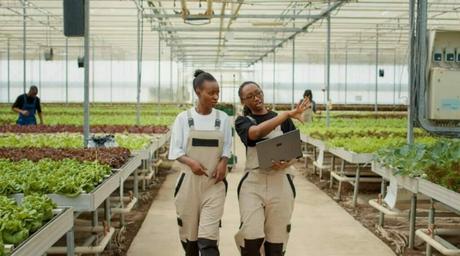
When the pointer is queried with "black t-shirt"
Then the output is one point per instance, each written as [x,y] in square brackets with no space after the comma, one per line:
[242,125]
[19,103]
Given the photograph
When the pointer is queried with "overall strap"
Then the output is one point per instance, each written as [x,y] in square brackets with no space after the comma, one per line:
[191,123]
[217,122]
[253,121]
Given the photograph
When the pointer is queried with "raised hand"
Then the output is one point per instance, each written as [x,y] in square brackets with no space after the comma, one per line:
[297,112]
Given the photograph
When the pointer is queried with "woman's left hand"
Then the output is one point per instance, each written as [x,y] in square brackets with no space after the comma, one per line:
[281,165]
[221,171]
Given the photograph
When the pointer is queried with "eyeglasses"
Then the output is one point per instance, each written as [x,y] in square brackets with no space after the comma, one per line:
[259,94]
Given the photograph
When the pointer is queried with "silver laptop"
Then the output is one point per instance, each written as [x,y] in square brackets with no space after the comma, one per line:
[282,148]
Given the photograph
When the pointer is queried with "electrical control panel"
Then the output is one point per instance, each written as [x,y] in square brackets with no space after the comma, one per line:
[443,95]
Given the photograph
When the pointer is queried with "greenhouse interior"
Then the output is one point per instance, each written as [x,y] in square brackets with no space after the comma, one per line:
[229,127]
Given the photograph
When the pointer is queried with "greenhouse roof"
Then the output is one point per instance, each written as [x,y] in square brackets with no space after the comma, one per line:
[237,32]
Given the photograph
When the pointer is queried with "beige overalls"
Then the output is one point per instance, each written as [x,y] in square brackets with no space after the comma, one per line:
[199,201]
[308,115]
[266,199]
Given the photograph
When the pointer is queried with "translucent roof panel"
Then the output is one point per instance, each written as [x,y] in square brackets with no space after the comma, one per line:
[234,33]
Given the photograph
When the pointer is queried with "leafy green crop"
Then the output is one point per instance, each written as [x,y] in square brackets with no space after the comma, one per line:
[66,177]
[331,133]
[115,157]
[17,222]
[133,142]
[69,140]
[351,123]
[365,144]
[437,162]
[101,108]
[364,135]
[97,119]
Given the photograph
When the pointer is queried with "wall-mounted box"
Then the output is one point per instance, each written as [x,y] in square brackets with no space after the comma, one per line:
[444,94]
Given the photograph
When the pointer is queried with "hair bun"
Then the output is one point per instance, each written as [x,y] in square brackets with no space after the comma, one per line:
[198,72]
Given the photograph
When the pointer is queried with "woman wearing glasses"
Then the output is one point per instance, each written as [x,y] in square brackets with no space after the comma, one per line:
[266,196]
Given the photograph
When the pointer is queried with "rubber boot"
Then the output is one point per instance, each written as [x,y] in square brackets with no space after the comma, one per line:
[190,248]
[273,249]
[208,247]
[252,247]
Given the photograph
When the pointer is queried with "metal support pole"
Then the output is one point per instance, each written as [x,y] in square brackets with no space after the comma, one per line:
[221,87]
[40,73]
[193,91]
[257,72]
[108,217]
[274,79]
[107,212]
[234,94]
[93,90]
[293,73]
[86,85]
[412,220]
[346,72]
[24,43]
[328,69]
[136,183]
[159,74]
[240,78]
[95,223]
[122,192]
[394,78]
[382,195]
[70,242]
[410,113]
[111,76]
[356,187]
[139,69]
[184,71]
[8,68]
[66,71]
[376,67]
[178,79]
[431,220]
[262,74]
[171,75]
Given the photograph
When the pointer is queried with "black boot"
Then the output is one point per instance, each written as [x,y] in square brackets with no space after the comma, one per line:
[252,247]
[190,248]
[208,247]
[273,249]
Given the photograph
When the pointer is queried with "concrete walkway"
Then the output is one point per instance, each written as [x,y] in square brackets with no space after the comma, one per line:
[320,227]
